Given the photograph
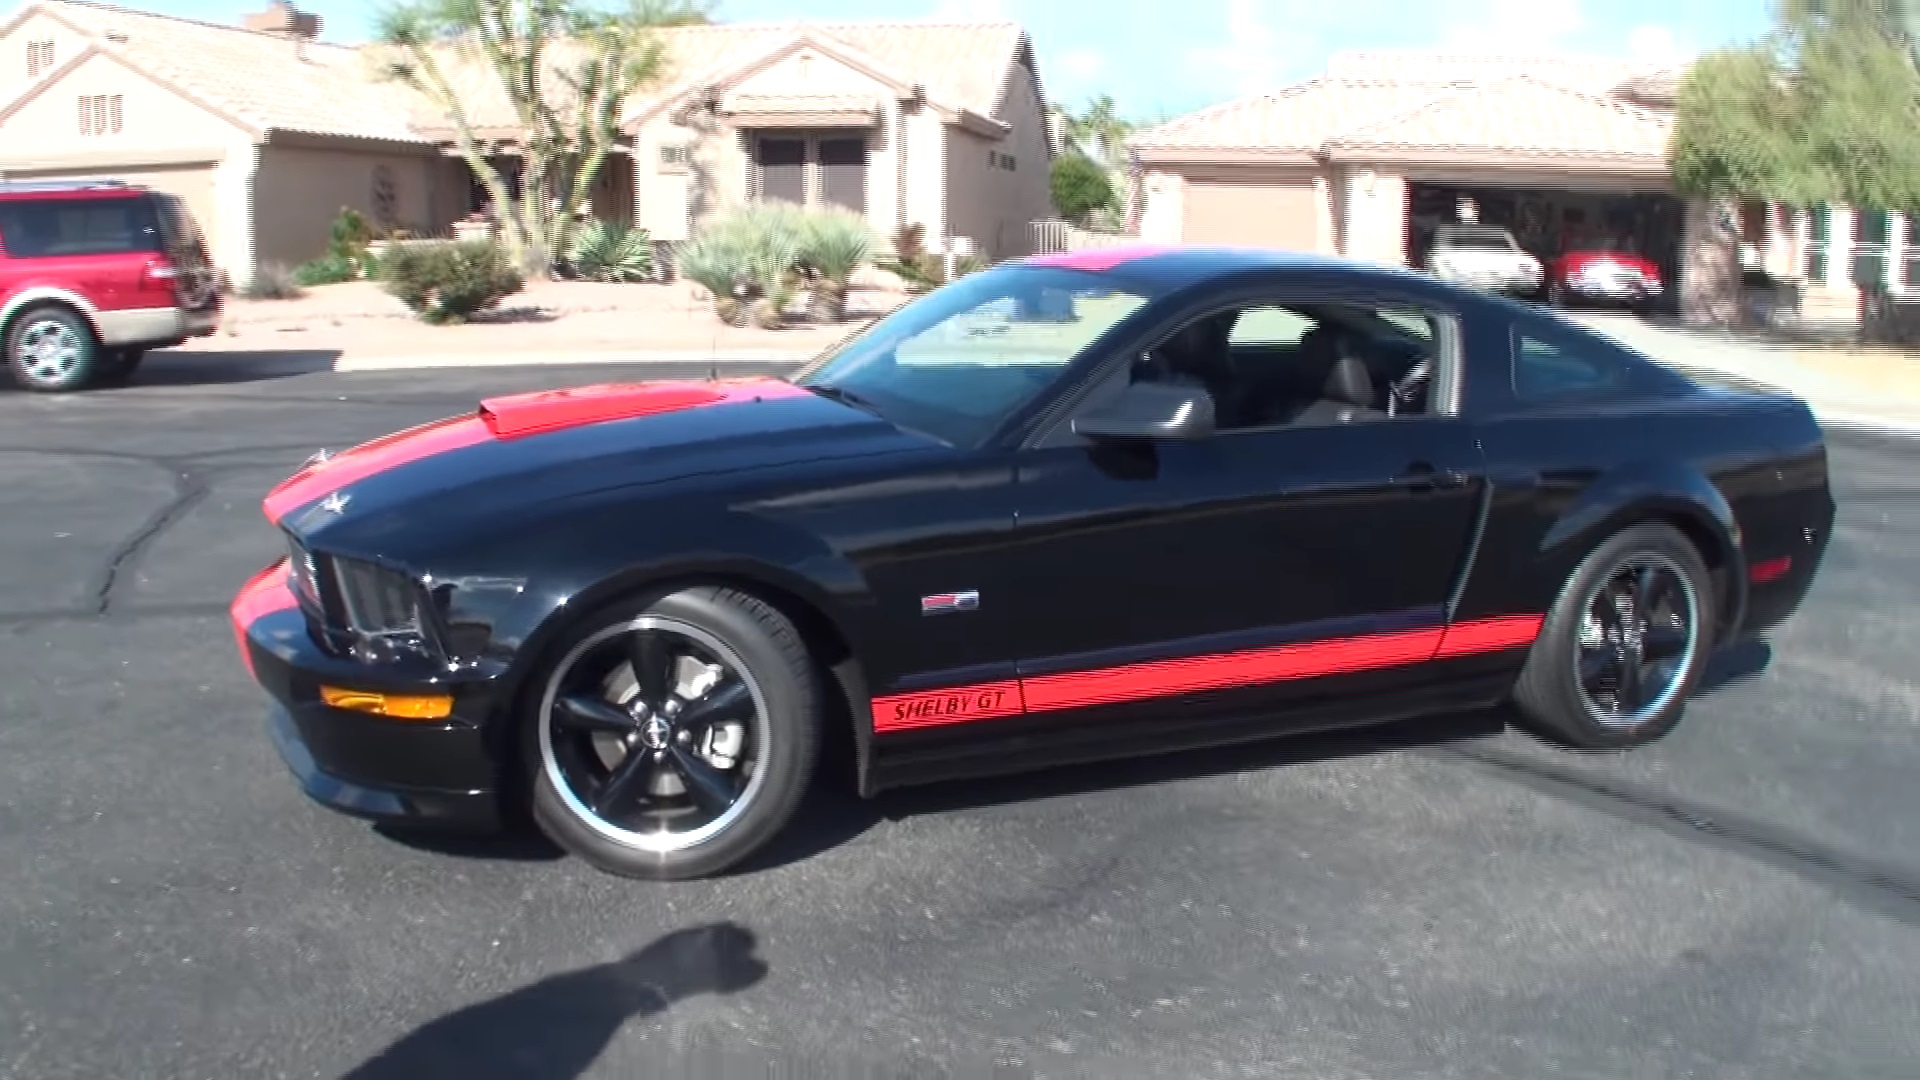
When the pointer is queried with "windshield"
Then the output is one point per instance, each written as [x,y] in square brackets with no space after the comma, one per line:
[1483,239]
[960,361]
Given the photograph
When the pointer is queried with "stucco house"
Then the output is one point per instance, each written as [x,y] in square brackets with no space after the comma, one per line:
[1367,158]
[266,131]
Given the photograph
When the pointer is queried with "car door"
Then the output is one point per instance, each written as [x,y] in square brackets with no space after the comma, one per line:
[1261,567]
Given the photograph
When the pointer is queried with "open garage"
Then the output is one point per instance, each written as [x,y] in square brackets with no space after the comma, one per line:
[1549,222]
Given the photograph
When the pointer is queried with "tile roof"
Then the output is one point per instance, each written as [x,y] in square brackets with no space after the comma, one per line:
[962,65]
[1299,118]
[800,103]
[264,80]
[1519,114]
[1597,73]
[269,82]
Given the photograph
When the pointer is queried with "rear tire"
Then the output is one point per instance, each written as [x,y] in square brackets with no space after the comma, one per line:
[53,350]
[1608,675]
[683,811]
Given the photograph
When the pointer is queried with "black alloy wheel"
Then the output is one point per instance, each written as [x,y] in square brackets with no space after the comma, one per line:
[673,739]
[1625,644]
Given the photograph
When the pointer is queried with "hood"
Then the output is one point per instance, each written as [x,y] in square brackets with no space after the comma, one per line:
[512,453]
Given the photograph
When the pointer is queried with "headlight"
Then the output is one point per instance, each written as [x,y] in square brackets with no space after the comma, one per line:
[303,573]
[383,608]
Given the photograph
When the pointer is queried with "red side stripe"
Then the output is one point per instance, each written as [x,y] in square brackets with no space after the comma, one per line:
[1186,675]
[1488,635]
[264,594]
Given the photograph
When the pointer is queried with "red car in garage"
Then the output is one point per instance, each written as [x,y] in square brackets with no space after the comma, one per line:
[1603,274]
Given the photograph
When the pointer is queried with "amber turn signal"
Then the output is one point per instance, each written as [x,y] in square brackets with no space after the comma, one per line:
[397,706]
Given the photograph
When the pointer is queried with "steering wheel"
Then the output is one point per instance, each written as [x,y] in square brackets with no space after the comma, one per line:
[1410,388]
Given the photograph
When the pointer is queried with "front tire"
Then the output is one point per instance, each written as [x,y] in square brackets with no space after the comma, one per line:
[1625,645]
[53,350]
[674,737]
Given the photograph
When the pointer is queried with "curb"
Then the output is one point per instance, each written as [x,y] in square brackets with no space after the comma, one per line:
[564,359]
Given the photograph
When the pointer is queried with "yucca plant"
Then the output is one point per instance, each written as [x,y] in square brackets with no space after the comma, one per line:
[836,244]
[715,260]
[604,251]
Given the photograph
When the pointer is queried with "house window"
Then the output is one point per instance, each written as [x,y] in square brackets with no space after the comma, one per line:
[100,114]
[811,170]
[39,58]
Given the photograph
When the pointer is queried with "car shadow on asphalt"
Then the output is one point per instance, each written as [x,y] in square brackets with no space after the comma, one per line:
[556,1028]
[190,367]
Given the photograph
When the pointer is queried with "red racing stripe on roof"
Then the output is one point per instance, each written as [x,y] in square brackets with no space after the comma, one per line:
[1100,258]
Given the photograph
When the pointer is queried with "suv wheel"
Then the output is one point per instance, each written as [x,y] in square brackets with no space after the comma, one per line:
[52,349]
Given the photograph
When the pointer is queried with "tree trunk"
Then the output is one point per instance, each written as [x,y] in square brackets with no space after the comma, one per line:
[1710,278]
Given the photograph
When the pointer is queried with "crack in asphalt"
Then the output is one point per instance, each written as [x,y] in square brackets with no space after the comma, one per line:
[189,487]
[1864,879]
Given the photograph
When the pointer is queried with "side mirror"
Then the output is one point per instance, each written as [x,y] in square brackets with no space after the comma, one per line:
[1151,410]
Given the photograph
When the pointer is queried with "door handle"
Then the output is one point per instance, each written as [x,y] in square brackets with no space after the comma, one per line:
[1423,476]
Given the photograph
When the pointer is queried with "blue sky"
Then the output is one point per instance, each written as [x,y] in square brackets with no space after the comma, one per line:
[1164,57]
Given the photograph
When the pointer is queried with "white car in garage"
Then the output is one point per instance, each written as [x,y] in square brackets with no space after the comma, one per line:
[1483,257]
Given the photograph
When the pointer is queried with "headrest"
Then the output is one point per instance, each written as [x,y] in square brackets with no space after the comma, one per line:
[1350,382]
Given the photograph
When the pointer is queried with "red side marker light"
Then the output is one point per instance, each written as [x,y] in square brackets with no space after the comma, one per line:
[1761,573]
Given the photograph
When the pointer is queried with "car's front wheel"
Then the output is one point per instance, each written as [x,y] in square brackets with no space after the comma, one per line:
[52,349]
[674,737]
[1625,644]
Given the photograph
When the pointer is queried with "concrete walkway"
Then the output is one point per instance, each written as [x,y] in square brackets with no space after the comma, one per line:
[1722,357]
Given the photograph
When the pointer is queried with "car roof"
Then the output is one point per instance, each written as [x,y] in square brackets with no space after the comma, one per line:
[1172,267]
[11,191]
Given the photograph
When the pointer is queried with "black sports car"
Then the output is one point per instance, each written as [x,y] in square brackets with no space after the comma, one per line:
[1067,508]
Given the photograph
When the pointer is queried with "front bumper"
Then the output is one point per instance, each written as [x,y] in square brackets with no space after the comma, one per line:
[442,773]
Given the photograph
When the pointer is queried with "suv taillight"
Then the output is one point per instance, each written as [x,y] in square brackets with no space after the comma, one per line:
[158,276]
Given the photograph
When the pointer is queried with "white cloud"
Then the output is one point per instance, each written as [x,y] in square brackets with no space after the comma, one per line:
[1656,47]
[1080,65]
[971,11]
[1514,26]
[1250,58]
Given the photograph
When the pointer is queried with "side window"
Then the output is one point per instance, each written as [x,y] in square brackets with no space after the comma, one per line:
[1268,326]
[1546,370]
[1269,365]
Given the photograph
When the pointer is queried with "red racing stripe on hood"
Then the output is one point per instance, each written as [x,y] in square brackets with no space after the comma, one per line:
[512,417]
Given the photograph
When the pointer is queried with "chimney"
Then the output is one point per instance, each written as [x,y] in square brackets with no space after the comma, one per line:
[284,19]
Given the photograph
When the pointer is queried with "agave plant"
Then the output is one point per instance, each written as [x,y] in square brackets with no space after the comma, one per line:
[604,251]
[836,243]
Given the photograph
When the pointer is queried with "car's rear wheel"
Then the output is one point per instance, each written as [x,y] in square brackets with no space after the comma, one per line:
[1625,644]
[674,737]
[53,350]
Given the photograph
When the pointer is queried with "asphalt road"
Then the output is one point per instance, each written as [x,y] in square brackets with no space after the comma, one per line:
[1741,900]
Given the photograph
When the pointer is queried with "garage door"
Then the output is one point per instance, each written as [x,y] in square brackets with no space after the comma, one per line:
[191,184]
[1282,214]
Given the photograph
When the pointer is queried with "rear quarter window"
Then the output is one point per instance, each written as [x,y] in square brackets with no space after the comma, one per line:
[52,228]
[1550,366]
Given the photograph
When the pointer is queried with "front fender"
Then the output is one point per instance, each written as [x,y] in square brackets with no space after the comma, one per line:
[1654,490]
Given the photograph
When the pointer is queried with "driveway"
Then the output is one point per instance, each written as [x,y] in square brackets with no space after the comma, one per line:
[1446,900]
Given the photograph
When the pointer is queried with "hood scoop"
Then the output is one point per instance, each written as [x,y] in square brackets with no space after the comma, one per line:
[543,411]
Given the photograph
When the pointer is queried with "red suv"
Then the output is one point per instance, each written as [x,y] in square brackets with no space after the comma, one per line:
[92,275]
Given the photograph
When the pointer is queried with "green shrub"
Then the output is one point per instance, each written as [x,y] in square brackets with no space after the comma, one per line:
[449,281]
[911,262]
[748,260]
[273,281]
[1080,187]
[604,251]
[326,270]
[349,235]
[833,246]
